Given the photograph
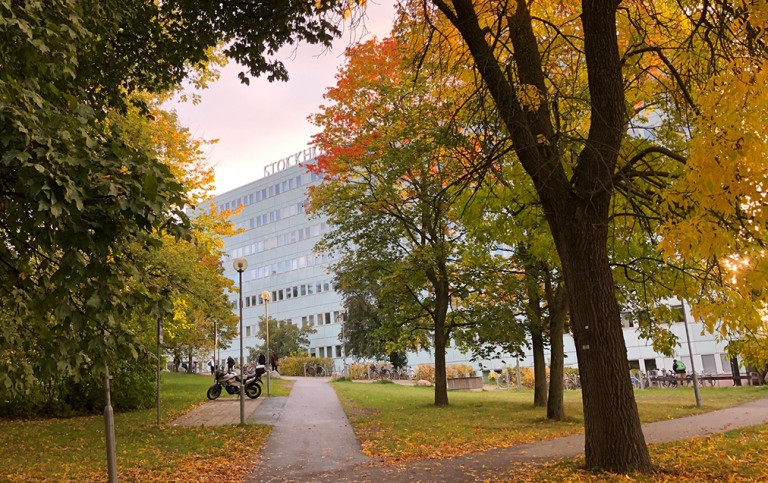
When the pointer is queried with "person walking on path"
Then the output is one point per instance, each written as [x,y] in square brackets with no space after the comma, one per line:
[212,366]
[274,361]
[230,364]
[262,359]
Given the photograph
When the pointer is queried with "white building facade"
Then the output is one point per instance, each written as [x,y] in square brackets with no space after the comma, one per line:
[277,241]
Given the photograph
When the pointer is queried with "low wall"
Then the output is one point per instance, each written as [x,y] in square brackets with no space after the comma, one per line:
[465,383]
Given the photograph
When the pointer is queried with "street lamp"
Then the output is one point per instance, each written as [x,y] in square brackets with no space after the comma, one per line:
[266,295]
[240,265]
[696,393]
[343,313]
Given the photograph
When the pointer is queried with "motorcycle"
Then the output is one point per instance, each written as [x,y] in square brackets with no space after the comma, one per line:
[230,382]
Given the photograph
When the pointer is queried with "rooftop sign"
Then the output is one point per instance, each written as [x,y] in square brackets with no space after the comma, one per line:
[292,160]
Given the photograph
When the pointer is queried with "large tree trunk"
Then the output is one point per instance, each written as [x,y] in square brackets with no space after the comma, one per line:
[558,311]
[613,436]
[575,202]
[441,381]
[539,367]
[442,300]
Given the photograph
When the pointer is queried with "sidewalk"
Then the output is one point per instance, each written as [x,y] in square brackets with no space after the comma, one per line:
[304,446]
[311,436]
[313,441]
[225,410]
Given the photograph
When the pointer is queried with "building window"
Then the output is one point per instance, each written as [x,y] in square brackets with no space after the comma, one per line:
[322,351]
[338,351]
[326,285]
[304,321]
[288,293]
[280,294]
[311,320]
[708,364]
[650,365]
[247,330]
[312,352]
[327,317]
[319,319]
[634,364]
[336,316]
[310,289]
[303,289]
[247,301]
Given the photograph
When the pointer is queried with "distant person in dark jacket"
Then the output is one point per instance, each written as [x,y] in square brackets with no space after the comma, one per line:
[262,359]
[275,362]
[230,363]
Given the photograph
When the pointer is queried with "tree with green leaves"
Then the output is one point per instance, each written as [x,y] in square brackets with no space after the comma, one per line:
[285,339]
[394,167]
[75,196]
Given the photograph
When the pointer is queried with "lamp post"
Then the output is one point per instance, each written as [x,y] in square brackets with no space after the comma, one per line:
[343,313]
[266,295]
[240,265]
[696,393]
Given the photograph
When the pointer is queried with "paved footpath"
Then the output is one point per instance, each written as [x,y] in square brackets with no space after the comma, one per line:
[313,441]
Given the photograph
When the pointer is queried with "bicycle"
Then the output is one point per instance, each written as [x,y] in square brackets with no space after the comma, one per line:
[314,370]
[501,377]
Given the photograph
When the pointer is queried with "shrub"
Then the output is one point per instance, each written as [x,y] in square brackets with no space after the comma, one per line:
[132,387]
[424,371]
[459,370]
[357,370]
[294,365]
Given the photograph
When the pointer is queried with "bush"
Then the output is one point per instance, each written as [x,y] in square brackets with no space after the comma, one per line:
[357,370]
[132,387]
[294,366]
[424,371]
[459,370]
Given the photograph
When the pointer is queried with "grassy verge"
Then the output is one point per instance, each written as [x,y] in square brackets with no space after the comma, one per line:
[401,422]
[735,456]
[73,450]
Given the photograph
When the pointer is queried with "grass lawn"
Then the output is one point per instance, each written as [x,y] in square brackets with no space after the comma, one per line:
[735,456]
[398,422]
[73,450]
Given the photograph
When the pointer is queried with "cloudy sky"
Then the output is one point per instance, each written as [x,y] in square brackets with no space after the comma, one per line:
[259,124]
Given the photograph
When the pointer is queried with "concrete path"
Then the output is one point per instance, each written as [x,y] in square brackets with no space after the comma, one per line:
[219,412]
[313,441]
[312,436]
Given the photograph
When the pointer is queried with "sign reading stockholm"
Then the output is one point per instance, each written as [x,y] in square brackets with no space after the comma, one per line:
[292,160]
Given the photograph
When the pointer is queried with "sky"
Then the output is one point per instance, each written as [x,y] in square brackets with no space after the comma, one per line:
[259,124]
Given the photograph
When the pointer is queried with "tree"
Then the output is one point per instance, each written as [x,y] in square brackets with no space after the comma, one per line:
[394,164]
[285,339]
[75,196]
[527,56]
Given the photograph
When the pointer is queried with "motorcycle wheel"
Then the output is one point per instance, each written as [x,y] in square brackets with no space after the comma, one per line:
[253,390]
[214,391]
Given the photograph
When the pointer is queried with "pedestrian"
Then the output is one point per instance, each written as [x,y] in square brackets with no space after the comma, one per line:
[177,362]
[262,359]
[275,362]
[679,368]
[230,364]
[212,365]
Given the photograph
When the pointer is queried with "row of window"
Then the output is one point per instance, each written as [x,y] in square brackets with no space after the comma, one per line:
[269,192]
[708,364]
[285,266]
[323,318]
[630,320]
[271,217]
[289,238]
[262,194]
[327,351]
[289,293]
